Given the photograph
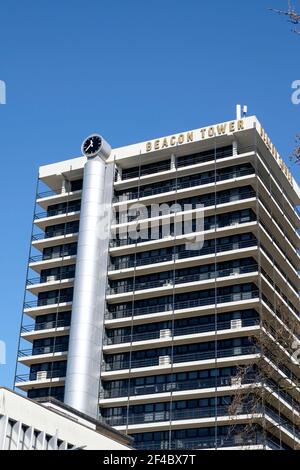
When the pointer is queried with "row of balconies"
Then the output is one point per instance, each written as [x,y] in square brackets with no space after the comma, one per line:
[255,441]
[168,360]
[229,384]
[234,225]
[187,304]
[171,257]
[164,335]
[284,431]
[47,281]
[249,153]
[177,281]
[202,414]
[192,330]
[166,186]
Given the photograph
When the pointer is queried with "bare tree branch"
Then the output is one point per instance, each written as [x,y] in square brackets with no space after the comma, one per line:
[291,13]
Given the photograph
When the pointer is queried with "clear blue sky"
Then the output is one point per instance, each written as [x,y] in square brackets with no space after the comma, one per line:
[132,70]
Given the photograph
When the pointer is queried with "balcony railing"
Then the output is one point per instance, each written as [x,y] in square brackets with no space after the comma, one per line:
[45,302]
[210,443]
[176,386]
[214,382]
[235,271]
[282,422]
[183,255]
[146,171]
[180,331]
[55,233]
[65,254]
[172,186]
[50,278]
[200,356]
[180,207]
[38,376]
[36,351]
[202,413]
[50,193]
[117,242]
[276,289]
[54,212]
[160,416]
[49,325]
[236,297]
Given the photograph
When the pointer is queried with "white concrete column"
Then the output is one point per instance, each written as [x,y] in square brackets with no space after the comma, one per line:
[173,162]
[119,174]
[15,440]
[234,148]
[3,430]
[52,444]
[28,439]
[41,440]
[64,186]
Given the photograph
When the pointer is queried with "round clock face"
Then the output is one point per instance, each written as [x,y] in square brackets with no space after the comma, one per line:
[92,145]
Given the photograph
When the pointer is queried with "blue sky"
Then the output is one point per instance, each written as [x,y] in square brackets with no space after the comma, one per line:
[132,70]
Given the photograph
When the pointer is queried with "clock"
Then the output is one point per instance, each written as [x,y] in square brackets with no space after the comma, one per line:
[92,145]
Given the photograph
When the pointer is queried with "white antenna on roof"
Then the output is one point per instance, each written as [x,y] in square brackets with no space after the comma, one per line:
[241,112]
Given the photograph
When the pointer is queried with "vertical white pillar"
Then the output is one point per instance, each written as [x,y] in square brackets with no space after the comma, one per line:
[41,440]
[28,439]
[16,434]
[119,174]
[3,430]
[173,162]
[64,186]
[86,332]
[234,148]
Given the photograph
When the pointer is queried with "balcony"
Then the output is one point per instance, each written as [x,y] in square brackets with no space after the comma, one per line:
[200,356]
[122,242]
[54,256]
[49,278]
[48,283]
[174,415]
[171,283]
[130,263]
[210,203]
[147,171]
[283,428]
[50,325]
[172,186]
[202,414]
[69,232]
[40,379]
[182,331]
[45,198]
[205,443]
[43,306]
[68,214]
[172,387]
[39,262]
[55,212]
[37,355]
[188,304]
[37,351]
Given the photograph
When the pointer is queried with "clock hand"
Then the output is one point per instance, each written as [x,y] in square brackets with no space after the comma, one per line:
[91,145]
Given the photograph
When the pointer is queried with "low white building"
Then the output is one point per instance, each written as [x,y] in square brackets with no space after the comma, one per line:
[28,425]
